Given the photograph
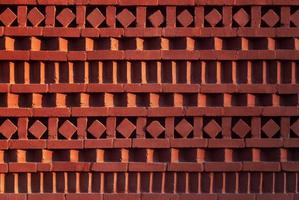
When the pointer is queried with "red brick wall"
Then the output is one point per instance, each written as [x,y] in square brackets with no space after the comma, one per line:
[153,99]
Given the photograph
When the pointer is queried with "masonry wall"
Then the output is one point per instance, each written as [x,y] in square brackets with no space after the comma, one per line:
[153,99]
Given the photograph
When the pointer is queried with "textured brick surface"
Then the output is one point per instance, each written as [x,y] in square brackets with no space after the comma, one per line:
[153,99]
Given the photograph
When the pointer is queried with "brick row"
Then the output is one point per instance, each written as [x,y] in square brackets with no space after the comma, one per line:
[210,127]
[107,143]
[147,32]
[192,185]
[145,16]
[147,196]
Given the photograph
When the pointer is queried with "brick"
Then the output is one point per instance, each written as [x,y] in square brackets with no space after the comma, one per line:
[274,196]
[190,143]
[149,196]
[142,54]
[14,55]
[197,196]
[76,112]
[261,166]
[29,88]
[185,167]
[109,167]
[138,2]
[101,143]
[65,144]
[142,88]
[125,196]
[45,196]
[61,32]
[290,166]
[150,143]
[264,143]
[22,167]
[15,112]
[179,55]
[53,112]
[143,32]
[3,167]
[226,143]
[223,167]
[181,88]
[66,88]
[118,111]
[48,55]
[44,167]
[236,196]
[104,88]
[13,196]
[23,31]
[83,196]
[163,111]
[27,144]
[105,55]
[71,167]
[147,167]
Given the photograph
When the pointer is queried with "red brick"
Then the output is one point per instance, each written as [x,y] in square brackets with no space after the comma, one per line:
[236,197]
[8,196]
[109,167]
[29,88]
[274,196]
[186,142]
[222,166]
[100,143]
[22,167]
[147,167]
[264,143]
[84,196]
[122,196]
[70,166]
[165,196]
[261,166]
[185,167]
[53,112]
[150,143]
[65,144]
[45,196]
[27,144]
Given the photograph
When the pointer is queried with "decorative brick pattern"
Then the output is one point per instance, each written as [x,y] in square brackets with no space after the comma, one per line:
[154,99]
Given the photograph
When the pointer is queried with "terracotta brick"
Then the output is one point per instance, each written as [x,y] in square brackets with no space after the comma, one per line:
[45,196]
[165,99]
